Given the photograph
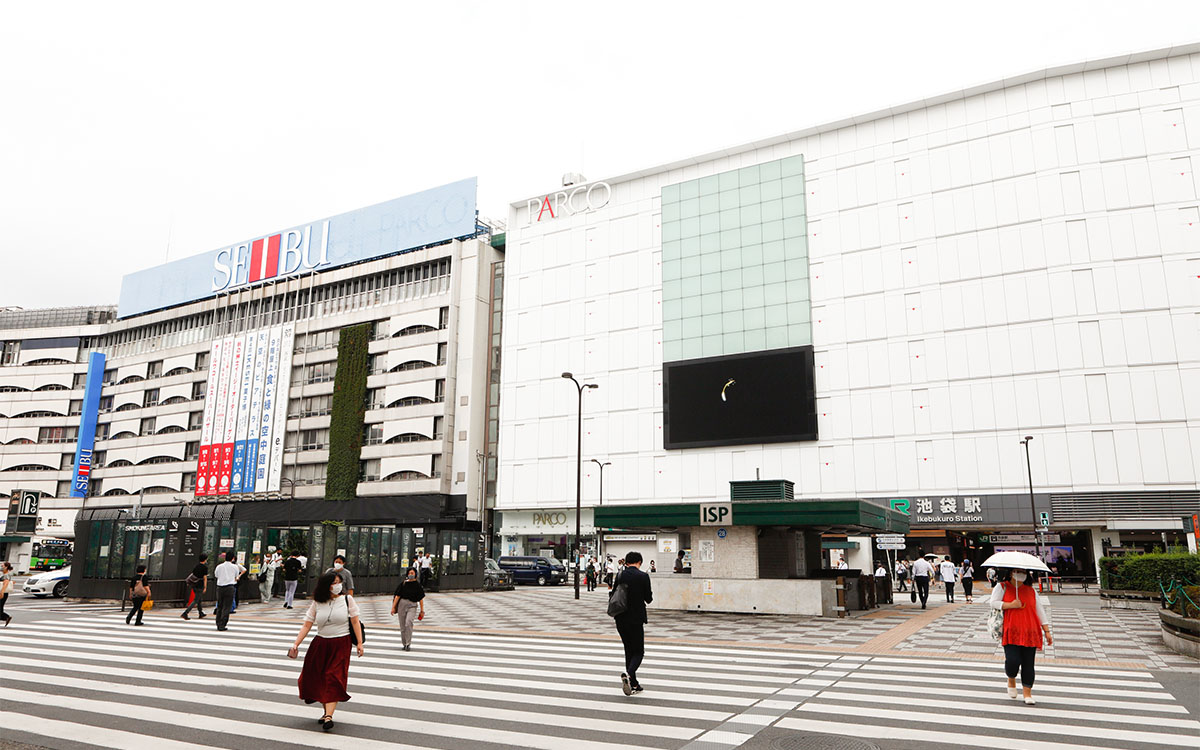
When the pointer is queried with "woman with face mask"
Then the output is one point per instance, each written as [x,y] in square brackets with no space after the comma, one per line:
[327,662]
[1025,624]
[409,598]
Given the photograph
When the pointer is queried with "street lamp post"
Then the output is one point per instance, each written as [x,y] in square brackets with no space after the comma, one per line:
[1037,537]
[578,475]
[594,526]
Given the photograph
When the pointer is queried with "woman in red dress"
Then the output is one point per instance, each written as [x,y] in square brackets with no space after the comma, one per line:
[327,662]
[1025,624]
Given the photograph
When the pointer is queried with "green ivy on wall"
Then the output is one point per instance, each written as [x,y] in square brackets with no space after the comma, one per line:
[346,419]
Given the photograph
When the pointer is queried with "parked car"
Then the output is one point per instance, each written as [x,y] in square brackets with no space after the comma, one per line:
[531,569]
[44,584]
[494,577]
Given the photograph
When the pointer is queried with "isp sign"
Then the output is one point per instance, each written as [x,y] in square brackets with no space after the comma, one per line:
[716,514]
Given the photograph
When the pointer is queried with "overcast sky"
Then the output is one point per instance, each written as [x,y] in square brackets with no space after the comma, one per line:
[131,133]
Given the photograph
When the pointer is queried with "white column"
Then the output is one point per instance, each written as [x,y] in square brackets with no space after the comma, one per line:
[863,557]
[1098,537]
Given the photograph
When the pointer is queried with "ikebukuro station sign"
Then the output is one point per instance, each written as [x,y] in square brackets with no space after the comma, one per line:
[426,218]
[952,511]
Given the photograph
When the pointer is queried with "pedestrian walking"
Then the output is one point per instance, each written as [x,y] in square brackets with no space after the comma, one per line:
[631,619]
[197,583]
[653,567]
[1025,624]
[408,604]
[591,575]
[139,592]
[610,572]
[922,571]
[326,670]
[227,575]
[339,567]
[902,575]
[6,585]
[291,577]
[968,580]
[426,569]
[266,578]
[678,562]
[947,574]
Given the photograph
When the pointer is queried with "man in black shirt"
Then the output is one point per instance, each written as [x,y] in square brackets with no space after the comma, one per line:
[197,582]
[139,592]
[291,577]
[630,622]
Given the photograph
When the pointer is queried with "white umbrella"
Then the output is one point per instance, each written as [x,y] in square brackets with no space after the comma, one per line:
[931,554]
[1015,560]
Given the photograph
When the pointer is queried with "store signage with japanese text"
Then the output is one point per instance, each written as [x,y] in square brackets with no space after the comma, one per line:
[977,510]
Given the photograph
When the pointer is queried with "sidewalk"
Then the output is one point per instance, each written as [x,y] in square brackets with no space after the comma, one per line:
[1083,632]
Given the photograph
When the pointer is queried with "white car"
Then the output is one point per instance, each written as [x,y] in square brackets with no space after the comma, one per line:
[53,582]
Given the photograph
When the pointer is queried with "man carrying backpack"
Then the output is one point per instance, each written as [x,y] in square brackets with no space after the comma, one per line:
[627,606]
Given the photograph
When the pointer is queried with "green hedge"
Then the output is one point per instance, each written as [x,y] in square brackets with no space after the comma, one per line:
[348,409]
[1144,572]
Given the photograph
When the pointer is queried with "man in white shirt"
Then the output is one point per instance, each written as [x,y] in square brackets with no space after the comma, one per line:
[227,575]
[842,564]
[426,569]
[922,571]
[902,575]
[949,577]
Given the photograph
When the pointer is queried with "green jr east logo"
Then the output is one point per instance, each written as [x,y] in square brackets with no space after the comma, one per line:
[901,505]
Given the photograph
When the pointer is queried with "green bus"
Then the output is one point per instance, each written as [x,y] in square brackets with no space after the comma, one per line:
[50,554]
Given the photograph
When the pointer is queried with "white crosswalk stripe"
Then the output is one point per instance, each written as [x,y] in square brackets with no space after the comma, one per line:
[95,681]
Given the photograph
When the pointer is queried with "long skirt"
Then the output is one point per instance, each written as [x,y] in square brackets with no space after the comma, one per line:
[326,670]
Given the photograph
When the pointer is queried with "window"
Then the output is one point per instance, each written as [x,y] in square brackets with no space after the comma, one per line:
[310,406]
[439,390]
[76,407]
[443,317]
[31,467]
[9,351]
[195,420]
[410,401]
[202,361]
[191,451]
[372,434]
[57,434]
[148,426]
[199,390]
[64,489]
[441,353]
[98,459]
[106,403]
[109,376]
[67,462]
[308,440]
[102,431]
[154,369]
[150,398]
[369,470]
[189,482]
[437,428]
[436,465]
[321,373]
[128,407]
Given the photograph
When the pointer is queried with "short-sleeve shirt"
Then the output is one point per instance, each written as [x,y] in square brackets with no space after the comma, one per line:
[200,571]
[4,577]
[411,590]
[291,569]
[143,577]
[948,572]
[227,573]
[332,618]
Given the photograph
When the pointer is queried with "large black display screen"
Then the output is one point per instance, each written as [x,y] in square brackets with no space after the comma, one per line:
[762,397]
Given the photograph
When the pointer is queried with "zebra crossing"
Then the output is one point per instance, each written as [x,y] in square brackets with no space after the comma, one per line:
[96,682]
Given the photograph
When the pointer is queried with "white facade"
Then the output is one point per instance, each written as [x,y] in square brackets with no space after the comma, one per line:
[1022,258]
[427,389]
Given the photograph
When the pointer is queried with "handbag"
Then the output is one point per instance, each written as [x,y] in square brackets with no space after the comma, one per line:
[147,605]
[618,600]
[192,579]
[139,588]
[995,624]
[912,594]
[262,577]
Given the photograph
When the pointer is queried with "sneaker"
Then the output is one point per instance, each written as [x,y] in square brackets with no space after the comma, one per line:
[138,624]
[636,689]
[626,688]
[202,615]
[1012,692]
[185,616]
[407,647]
[1030,701]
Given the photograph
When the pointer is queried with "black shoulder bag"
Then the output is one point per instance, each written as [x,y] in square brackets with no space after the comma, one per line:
[618,600]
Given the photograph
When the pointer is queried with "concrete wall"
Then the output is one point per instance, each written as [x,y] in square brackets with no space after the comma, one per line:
[734,557]
[816,598]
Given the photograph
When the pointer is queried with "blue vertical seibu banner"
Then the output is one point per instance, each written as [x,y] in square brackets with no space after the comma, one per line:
[87,425]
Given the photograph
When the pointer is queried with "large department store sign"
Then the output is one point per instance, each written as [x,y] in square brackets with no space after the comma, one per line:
[577,200]
[426,218]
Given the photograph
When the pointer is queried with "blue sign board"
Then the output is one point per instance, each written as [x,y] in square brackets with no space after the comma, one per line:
[722,533]
[436,215]
[87,425]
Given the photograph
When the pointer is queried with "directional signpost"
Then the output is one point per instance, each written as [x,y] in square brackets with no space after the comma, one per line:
[889,542]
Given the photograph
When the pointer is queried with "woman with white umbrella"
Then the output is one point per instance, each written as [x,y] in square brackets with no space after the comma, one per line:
[1025,626]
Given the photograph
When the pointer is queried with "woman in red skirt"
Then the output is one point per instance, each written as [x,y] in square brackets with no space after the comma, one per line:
[327,662]
[1024,625]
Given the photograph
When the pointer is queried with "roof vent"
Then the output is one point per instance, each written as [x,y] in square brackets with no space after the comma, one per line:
[573,178]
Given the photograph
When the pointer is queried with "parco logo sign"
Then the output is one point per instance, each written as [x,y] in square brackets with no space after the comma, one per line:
[577,200]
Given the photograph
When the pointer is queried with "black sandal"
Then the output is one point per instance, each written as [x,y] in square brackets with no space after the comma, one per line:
[327,723]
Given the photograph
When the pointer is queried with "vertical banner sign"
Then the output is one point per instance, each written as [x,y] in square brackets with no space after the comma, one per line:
[282,383]
[243,415]
[204,467]
[267,423]
[231,410]
[87,425]
[254,421]
[218,436]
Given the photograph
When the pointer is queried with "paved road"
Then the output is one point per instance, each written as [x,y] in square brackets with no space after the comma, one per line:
[88,680]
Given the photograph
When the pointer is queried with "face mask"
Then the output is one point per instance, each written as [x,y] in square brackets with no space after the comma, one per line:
[337,566]
[336,588]
[1019,577]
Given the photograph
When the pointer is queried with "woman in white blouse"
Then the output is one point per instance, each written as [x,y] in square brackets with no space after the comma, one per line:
[327,662]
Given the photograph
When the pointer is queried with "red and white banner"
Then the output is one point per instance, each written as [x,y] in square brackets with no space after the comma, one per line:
[204,467]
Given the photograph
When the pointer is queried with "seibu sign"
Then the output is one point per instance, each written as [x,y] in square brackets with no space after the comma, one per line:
[578,200]
[271,257]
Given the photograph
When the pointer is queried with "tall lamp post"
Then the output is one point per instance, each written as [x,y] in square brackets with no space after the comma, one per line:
[578,474]
[594,526]
[1037,537]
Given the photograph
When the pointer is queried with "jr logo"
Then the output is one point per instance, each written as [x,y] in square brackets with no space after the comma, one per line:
[901,505]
